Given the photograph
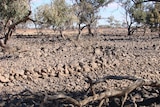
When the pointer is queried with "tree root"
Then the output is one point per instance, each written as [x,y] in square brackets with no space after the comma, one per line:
[106,94]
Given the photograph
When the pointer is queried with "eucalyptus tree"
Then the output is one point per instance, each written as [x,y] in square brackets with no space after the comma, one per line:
[113,22]
[57,15]
[87,13]
[153,17]
[136,15]
[128,7]
[145,14]
[13,12]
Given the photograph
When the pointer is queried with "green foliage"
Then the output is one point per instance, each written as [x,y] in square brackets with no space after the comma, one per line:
[142,13]
[113,22]
[153,16]
[87,9]
[139,14]
[57,14]
[13,9]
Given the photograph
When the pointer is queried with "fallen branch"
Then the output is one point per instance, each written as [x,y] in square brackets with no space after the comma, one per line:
[107,94]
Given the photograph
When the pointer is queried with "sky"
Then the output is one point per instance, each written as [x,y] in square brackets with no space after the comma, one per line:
[112,9]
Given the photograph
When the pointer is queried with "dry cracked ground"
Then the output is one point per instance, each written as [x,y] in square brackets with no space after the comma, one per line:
[47,64]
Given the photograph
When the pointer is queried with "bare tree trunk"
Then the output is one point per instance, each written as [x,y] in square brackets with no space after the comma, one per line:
[61,33]
[79,31]
[145,28]
[11,27]
[130,30]
[159,30]
[89,29]
[8,35]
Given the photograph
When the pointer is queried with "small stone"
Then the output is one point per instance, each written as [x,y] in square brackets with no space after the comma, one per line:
[2,70]
[61,74]
[44,49]
[4,79]
[44,75]
[78,68]
[86,68]
[74,64]
[11,77]
[30,70]
[44,70]
[60,67]
[94,65]
[19,72]
[37,69]
[97,51]
[64,49]
[66,69]
[36,75]
[24,76]
[71,70]
[11,84]
[52,74]
[116,63]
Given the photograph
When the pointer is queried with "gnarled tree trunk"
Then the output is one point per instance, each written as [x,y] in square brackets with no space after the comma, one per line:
[10,29]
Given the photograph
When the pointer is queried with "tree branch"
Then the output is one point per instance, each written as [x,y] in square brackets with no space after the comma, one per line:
[107,94]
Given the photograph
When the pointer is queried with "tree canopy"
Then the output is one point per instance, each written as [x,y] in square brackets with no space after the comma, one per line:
[14,9]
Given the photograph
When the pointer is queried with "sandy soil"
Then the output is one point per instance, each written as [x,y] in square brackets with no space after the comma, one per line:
[36,65]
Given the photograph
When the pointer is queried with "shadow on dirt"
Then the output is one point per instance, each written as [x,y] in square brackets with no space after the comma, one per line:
[28,36]
[29,99]
[43,38]
[8,57]
[129,38]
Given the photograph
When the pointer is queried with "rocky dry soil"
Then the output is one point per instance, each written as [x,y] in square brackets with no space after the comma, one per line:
[47,64]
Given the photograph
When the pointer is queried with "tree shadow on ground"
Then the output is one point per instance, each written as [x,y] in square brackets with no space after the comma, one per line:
[43,38]
[129,38]
[30,99]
